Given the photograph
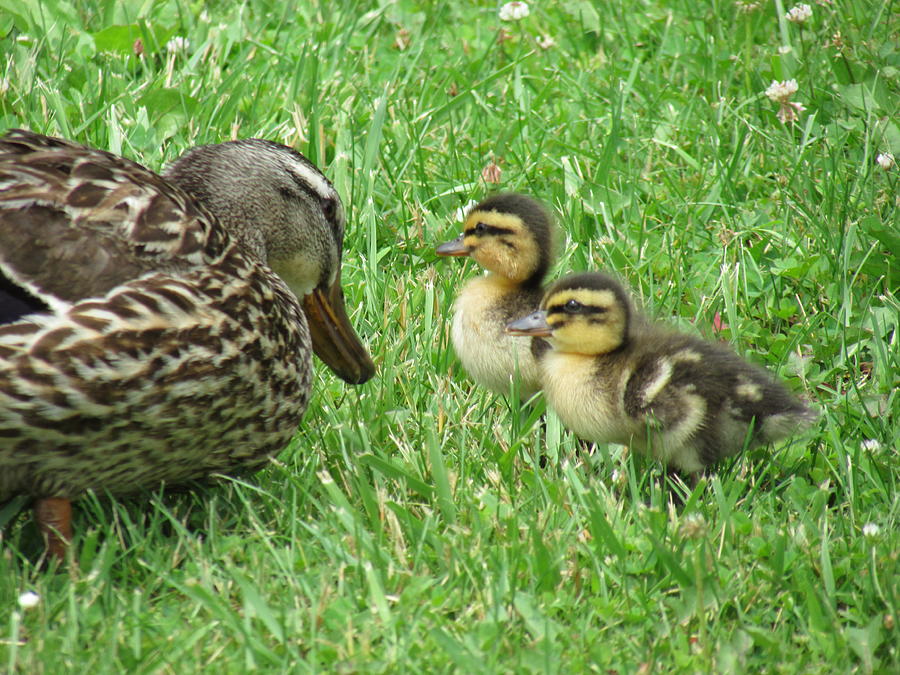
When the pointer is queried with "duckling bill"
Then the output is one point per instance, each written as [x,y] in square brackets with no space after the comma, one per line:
[613,376]
[511,236]
[159,329]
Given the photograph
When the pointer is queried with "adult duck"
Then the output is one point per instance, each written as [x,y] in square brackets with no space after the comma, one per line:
[159,329]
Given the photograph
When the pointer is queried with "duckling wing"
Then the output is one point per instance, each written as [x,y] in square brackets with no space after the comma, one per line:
[660,395]
[671,396]
[76,222]
[754,398]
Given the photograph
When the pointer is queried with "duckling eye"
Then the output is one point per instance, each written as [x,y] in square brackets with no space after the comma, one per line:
[573,306]
[481,228]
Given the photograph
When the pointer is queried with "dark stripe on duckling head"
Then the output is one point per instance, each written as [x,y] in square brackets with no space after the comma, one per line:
[481,229]
[590,314]
[589,281]
[573,306]
[531,216]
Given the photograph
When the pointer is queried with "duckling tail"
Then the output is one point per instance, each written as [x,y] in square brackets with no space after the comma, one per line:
[781,425]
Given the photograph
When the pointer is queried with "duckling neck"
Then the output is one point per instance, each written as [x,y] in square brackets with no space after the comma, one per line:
[525,267]
[535,280]
[491,301]
[500,282]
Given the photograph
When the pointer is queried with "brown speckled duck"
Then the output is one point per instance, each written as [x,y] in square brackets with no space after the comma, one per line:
[615,377]
[511,236]
[159,329]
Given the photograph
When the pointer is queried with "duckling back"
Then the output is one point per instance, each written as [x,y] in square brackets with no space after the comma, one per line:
[700,402]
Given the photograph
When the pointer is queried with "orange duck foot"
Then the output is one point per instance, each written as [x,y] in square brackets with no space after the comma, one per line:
[54,518]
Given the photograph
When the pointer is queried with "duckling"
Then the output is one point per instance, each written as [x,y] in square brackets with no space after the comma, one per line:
[159,329]
[613,376]
[511,236]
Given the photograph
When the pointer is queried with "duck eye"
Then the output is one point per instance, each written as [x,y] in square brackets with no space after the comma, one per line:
[481,228]
[329,208]
[573,306]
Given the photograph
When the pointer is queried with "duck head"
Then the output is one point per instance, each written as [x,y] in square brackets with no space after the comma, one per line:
[283,209]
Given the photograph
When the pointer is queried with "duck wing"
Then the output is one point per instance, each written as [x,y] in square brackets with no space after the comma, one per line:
[76,222]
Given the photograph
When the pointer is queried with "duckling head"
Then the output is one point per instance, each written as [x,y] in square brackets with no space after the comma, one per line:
[283,210]
[586,313]
[508,234]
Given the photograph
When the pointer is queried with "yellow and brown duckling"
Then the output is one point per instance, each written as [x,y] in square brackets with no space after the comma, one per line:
[614,377]
[511,236]
[159,329]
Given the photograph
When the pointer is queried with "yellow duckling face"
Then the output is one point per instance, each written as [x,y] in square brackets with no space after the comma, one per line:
[581,314]
[507,234]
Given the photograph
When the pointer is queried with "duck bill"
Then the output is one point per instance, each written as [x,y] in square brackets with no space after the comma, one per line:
[534,324]
[334,340]
[454,248]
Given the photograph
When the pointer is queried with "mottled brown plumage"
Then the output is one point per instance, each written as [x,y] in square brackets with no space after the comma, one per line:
[511,236]
[612,376]
[145,337]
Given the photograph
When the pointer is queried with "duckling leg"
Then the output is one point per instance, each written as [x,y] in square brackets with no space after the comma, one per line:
[54,518]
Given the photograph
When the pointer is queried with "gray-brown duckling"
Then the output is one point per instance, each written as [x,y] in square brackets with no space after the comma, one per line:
[613,376]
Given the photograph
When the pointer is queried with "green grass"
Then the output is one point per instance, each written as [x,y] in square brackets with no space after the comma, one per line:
[410,526]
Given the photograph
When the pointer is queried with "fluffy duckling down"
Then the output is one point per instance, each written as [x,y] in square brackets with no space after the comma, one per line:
[613,376]
[511,236]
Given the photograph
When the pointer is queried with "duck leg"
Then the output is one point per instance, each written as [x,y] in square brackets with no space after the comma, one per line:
[54,518]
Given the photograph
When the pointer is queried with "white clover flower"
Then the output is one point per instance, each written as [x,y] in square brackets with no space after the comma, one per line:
[178,44]
[799,14]
[513,11]
[870,445]
[492,173]
[789,112]
[781,92]
[885,160]
[546,42]
[746,7]
[463,211]
[29,600]
[870,530]
[693,526]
